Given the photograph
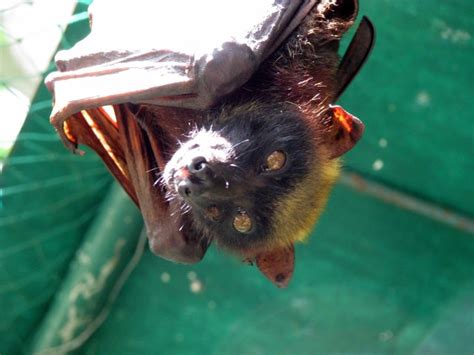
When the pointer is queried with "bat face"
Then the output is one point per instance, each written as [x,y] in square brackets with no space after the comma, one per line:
[250,168]
[234,174]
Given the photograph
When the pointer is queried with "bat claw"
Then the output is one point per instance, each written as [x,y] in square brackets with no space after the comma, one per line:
[70,145]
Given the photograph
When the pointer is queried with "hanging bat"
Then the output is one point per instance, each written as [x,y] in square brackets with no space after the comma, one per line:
[227,135]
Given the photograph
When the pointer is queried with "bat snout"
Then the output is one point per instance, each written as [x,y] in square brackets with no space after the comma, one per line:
[196,179]
[199,170]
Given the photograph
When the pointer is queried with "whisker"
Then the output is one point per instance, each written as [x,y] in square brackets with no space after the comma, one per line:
[237,144]
[237,167]
[153,169]
[246,152]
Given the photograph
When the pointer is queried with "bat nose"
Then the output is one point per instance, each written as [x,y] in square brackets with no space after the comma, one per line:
[199,166]
[200,178]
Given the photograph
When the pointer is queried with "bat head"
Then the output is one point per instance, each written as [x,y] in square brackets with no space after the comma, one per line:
[252,178]
[235,174]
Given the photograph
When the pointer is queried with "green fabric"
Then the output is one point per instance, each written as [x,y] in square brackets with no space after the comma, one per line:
[416,94]
[97,266]
[48,199]
[373,279]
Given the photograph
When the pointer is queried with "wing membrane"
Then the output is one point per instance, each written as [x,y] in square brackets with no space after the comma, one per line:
[356,55]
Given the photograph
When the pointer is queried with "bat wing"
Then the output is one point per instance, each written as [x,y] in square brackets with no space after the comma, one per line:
[356,55]
[136,158]
[169,53]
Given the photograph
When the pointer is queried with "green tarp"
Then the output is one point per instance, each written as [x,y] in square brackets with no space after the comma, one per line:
[374,278]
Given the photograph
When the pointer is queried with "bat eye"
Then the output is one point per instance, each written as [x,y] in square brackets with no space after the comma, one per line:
[242,222]
[275,161]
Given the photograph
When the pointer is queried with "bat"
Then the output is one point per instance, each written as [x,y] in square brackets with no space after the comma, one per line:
[236,145]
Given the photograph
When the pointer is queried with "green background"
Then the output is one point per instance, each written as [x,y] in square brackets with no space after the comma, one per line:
[374,278]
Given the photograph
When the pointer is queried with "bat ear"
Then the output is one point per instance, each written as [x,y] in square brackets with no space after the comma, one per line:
[345,131]
[277,265]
